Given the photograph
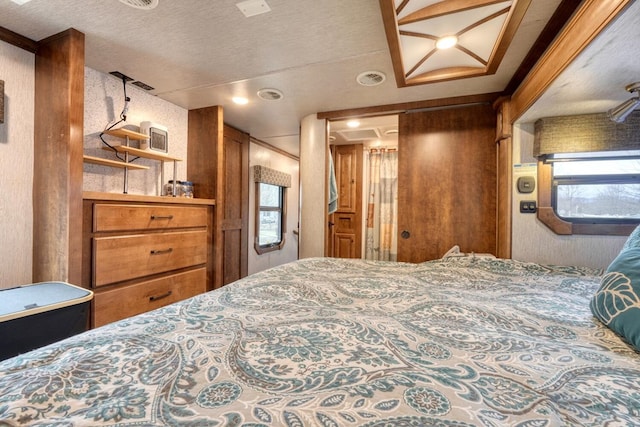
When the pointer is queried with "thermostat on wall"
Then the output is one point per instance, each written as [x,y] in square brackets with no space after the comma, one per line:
[158,137]
[526,184]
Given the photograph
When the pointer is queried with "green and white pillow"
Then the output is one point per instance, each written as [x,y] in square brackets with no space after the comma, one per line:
[617,301]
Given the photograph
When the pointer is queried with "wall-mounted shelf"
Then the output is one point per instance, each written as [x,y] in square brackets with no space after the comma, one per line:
[142,153]
[126,164]
[112,163]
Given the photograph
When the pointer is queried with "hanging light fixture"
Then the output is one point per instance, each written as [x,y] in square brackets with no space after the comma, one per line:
[619,114]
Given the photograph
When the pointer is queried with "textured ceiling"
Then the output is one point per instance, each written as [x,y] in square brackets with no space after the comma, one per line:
[198,53]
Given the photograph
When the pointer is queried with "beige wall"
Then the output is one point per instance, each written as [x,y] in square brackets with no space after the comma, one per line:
[263,156]
[17,70]
[103,103]
[533,241]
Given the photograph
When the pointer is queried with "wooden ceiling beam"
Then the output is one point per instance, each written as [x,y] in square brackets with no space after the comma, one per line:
[445,8]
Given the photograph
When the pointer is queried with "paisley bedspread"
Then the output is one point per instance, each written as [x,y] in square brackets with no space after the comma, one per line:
[454,342]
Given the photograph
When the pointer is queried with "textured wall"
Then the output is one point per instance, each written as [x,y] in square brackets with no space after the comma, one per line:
[533,241]
[260,155]
[103,103]
[17,69]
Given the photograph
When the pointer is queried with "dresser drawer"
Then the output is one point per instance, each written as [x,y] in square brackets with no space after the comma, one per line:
[116,304]
[118,258]
[116,217]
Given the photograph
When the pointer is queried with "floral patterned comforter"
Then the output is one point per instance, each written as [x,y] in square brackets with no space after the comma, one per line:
[455,342]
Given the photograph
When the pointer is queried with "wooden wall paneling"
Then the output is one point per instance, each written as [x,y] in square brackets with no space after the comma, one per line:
[205,135]
[58,146]
[446,182]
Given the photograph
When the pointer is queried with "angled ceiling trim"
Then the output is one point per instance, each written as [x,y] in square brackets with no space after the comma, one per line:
[413,26]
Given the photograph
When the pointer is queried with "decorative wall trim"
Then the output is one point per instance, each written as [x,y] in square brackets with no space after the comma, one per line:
[271,176]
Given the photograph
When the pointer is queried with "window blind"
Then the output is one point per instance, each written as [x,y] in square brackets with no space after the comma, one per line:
[584,133]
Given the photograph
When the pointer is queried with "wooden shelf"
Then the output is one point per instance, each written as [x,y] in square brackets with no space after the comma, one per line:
[143,153]
[112,163]
[128,151]
[124,133]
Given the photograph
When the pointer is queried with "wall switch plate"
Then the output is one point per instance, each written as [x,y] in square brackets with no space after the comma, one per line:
[528,206]
[526,184]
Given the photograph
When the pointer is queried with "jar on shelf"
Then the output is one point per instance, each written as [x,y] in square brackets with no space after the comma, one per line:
[173,191]
[187,189]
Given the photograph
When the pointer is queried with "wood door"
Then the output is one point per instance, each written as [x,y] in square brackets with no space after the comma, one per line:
[345,225]
[446,182]
[234,210]
[218,164]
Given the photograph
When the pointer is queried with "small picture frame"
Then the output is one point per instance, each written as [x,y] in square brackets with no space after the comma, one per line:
[158,137]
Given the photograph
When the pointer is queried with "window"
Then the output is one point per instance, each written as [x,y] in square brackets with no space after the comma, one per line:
[594,188]
[597,187]
[270,213]
[270,217]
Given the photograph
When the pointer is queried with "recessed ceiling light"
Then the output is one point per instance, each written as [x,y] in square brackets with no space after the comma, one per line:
[446,42]
[20,2]
[391,132]
[353,123]
[141,4]
[270,94]
[240,100]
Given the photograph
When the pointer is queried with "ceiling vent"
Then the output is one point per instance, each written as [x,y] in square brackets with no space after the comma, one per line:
[371,78]
[141,4]
[270,94]
[359,134]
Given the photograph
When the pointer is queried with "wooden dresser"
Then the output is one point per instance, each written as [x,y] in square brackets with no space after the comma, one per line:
[144,252]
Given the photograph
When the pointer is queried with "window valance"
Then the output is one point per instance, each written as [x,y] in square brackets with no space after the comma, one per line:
[584,133]
[271,176]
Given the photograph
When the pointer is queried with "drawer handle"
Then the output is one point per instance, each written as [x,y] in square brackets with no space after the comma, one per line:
[161,251]
[157,297]
[161,216]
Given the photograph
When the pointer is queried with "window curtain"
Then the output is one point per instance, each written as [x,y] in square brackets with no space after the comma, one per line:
[381,240]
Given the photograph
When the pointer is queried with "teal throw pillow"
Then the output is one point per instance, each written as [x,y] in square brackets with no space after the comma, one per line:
[617,301]
[634,239]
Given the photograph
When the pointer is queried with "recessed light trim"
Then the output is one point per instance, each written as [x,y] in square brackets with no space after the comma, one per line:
[446,42]
[141,4]
[240,100]
[270,94]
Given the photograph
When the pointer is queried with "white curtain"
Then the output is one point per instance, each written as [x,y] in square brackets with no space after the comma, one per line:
[382,209]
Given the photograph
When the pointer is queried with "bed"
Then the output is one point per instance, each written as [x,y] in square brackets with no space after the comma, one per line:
[460,341]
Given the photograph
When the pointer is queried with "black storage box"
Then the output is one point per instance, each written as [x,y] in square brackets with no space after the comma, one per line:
[35,315]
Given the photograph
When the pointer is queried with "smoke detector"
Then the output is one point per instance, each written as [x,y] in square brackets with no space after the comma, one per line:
[270,94]
[141,4]
[371,78]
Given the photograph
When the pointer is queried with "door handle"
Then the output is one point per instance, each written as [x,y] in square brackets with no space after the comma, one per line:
[405,234]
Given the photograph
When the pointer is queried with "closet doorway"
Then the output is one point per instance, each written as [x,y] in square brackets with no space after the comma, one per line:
[362,213]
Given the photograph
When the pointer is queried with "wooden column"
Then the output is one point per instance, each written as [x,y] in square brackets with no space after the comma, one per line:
[58,146]
[206,127]
[504,178]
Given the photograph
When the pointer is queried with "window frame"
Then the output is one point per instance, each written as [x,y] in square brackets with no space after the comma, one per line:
[547,215]
[262,249]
